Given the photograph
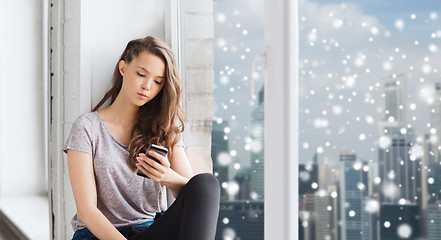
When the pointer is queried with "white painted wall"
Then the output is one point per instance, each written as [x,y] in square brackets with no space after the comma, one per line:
[105,32]
[22,164]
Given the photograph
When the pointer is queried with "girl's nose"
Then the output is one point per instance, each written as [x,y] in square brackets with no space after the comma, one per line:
[147,84]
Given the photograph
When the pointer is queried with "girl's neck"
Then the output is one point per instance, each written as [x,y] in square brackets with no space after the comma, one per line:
[122,112]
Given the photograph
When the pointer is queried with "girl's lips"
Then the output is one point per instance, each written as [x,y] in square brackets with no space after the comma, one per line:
[142,96]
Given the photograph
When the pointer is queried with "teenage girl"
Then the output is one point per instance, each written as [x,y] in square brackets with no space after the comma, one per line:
[106,147]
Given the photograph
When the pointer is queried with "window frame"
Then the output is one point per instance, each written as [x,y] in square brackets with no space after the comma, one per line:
[281,119]
[281,113]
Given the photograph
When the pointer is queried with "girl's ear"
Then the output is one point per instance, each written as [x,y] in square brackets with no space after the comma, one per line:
[122,67]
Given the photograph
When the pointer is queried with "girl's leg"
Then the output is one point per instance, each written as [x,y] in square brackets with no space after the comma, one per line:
[193,215]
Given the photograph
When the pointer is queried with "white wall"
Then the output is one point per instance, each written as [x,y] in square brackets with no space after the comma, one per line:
[22,164]
[106,34]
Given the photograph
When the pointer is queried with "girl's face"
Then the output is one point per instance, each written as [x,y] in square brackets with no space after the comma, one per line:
[143,78]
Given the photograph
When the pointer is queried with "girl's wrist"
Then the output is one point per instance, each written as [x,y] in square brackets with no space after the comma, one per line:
[173,180]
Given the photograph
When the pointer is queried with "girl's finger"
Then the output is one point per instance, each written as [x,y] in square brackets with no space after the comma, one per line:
[157,174]
[154,164]
[162,159]
[143,170]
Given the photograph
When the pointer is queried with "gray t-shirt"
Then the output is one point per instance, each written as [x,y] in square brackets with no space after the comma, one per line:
[122,196]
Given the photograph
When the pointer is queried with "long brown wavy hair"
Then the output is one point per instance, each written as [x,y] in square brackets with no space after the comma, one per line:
[157,119]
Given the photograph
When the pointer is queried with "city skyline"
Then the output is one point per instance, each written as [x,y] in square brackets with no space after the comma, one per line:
[345,49]
[364,67]
[397,197]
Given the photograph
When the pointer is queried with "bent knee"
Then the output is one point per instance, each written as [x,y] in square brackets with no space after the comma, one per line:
[204,182]
[204,179]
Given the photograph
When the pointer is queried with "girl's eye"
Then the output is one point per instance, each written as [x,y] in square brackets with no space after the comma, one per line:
[139,74]
[158,82]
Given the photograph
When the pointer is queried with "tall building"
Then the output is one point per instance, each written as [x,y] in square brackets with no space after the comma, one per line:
[242,178]
[336,208]
[325,212]
[399,166]
[324,181]
[430,188]
[393,102]
[428,168]
[433,229]
[219,150]
[435,122]
[399,221]
[434,183]
[306,226]
[372,175]
[257,150]
[307,216]
[353,189]
[308,202]
[301,229]
[398,169]
[308,177]
[400,163]
[241,220]
[369,220]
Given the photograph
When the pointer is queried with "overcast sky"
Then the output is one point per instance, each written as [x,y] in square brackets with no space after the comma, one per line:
[346,48]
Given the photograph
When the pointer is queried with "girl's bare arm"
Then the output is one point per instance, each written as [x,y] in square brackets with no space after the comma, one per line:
[84,189]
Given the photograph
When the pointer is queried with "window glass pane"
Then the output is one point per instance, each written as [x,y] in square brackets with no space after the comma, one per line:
[370,119]
[237,137]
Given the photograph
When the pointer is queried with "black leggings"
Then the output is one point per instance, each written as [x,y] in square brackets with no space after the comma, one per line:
[192,216]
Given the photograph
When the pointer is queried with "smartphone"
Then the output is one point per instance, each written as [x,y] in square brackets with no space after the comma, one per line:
[161,150]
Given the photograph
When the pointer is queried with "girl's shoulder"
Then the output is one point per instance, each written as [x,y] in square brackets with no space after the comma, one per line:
[84,133]
[87,119]
[87,122]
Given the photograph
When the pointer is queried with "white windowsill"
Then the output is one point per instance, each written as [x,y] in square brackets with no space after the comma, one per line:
[30,214]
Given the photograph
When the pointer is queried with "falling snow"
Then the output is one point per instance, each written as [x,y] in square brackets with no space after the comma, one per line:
[345,55]
[404,231]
